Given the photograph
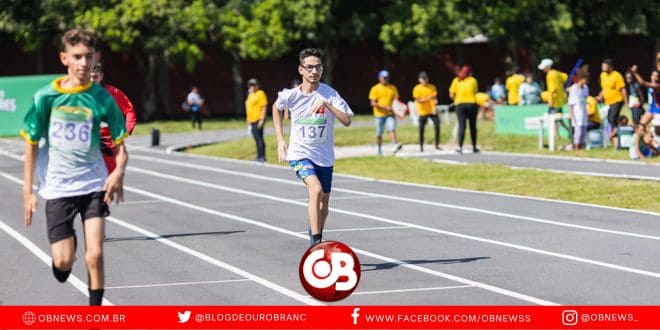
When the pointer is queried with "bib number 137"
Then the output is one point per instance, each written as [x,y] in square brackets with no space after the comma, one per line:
[312,133]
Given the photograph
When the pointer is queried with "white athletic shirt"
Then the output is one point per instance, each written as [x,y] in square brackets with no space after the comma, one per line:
[312,136]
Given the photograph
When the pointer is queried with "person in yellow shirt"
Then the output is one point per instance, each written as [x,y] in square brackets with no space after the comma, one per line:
[426,97]
[593,116]
[512,85]
[382,95]
[613,93]
[255,111]
[556,95]
[463,90]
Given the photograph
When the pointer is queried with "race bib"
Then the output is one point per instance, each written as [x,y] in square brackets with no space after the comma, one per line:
[312,130]
[70,128]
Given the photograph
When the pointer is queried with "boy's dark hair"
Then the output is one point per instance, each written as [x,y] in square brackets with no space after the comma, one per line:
[623,120]
[608,61]
[78,36]
[305,53]
[582,75]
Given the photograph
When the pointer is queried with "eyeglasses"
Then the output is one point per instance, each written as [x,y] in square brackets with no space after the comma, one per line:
[310,68]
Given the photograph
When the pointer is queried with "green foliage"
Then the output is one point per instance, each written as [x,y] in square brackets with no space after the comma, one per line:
[172,29]
[251,29]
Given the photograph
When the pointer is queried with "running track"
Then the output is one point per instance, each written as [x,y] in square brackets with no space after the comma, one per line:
[203,231]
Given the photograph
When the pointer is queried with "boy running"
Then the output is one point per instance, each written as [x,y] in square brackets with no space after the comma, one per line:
[73,178]
[314,107]
[126,107]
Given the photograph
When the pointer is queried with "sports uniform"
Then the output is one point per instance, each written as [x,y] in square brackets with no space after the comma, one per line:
[311,144]
[65,122]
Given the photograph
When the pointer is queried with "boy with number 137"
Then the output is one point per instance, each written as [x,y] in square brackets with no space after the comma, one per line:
[313,107]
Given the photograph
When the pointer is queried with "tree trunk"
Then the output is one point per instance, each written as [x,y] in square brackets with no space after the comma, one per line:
[149,93]
[237,77]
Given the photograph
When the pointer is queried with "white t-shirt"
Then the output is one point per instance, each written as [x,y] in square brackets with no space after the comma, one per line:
[577,97]
[312,136]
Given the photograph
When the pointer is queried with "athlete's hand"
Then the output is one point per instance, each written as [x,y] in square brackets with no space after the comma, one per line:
[633,68]
[317,106]
[281,151]
[29,207]
[114,187]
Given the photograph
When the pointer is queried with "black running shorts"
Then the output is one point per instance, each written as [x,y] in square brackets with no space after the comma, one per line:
[61,212]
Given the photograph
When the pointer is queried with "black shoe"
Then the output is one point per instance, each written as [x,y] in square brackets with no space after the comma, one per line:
[459,151]
[475,151]
[316,239]
[437,147]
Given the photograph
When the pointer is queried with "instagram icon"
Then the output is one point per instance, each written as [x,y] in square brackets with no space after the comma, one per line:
[569,317]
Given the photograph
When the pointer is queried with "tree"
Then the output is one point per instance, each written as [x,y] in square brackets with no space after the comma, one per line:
[157,33]
[34,24]
[251,30]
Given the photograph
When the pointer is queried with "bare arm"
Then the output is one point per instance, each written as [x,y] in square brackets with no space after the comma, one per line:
[641,81]
[29,199]
[281,142]
[114,183]
[381,107]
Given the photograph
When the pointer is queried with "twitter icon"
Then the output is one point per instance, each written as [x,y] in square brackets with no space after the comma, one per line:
[184,317]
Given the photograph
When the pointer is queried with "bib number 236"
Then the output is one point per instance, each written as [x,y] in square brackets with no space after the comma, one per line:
[72,135]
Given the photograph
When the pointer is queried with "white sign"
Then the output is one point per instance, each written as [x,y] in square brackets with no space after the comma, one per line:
[8,105]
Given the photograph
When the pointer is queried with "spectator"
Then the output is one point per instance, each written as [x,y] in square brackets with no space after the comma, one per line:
[255,111]
[463,90]
[643,145]
[382,95]
[512,84]
[498,92]
[613,93]
[635,98]
[577,105]
[426,96]
[593,115]
[486,111]
[555,91]
[653,94]
[622,129]
[195,102]
[529,91]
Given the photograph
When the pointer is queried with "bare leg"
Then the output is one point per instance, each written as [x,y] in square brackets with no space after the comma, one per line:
[314,207]
[94,229]
[64,253]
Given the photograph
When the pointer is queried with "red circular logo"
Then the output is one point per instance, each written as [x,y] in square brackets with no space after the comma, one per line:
[329,271]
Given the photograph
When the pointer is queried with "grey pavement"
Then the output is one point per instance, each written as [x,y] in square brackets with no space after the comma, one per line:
[207,231]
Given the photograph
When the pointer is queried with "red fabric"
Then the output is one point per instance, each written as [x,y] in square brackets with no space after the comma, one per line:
[128,110]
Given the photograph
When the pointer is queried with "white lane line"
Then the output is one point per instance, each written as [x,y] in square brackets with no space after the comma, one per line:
[235,270]
[148,201]
[450,162]
[402,199]
[43,256]
[360,229]
[363,252]
[174,284]
[413,290]
[402,223]
[268,284]
[399,183]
